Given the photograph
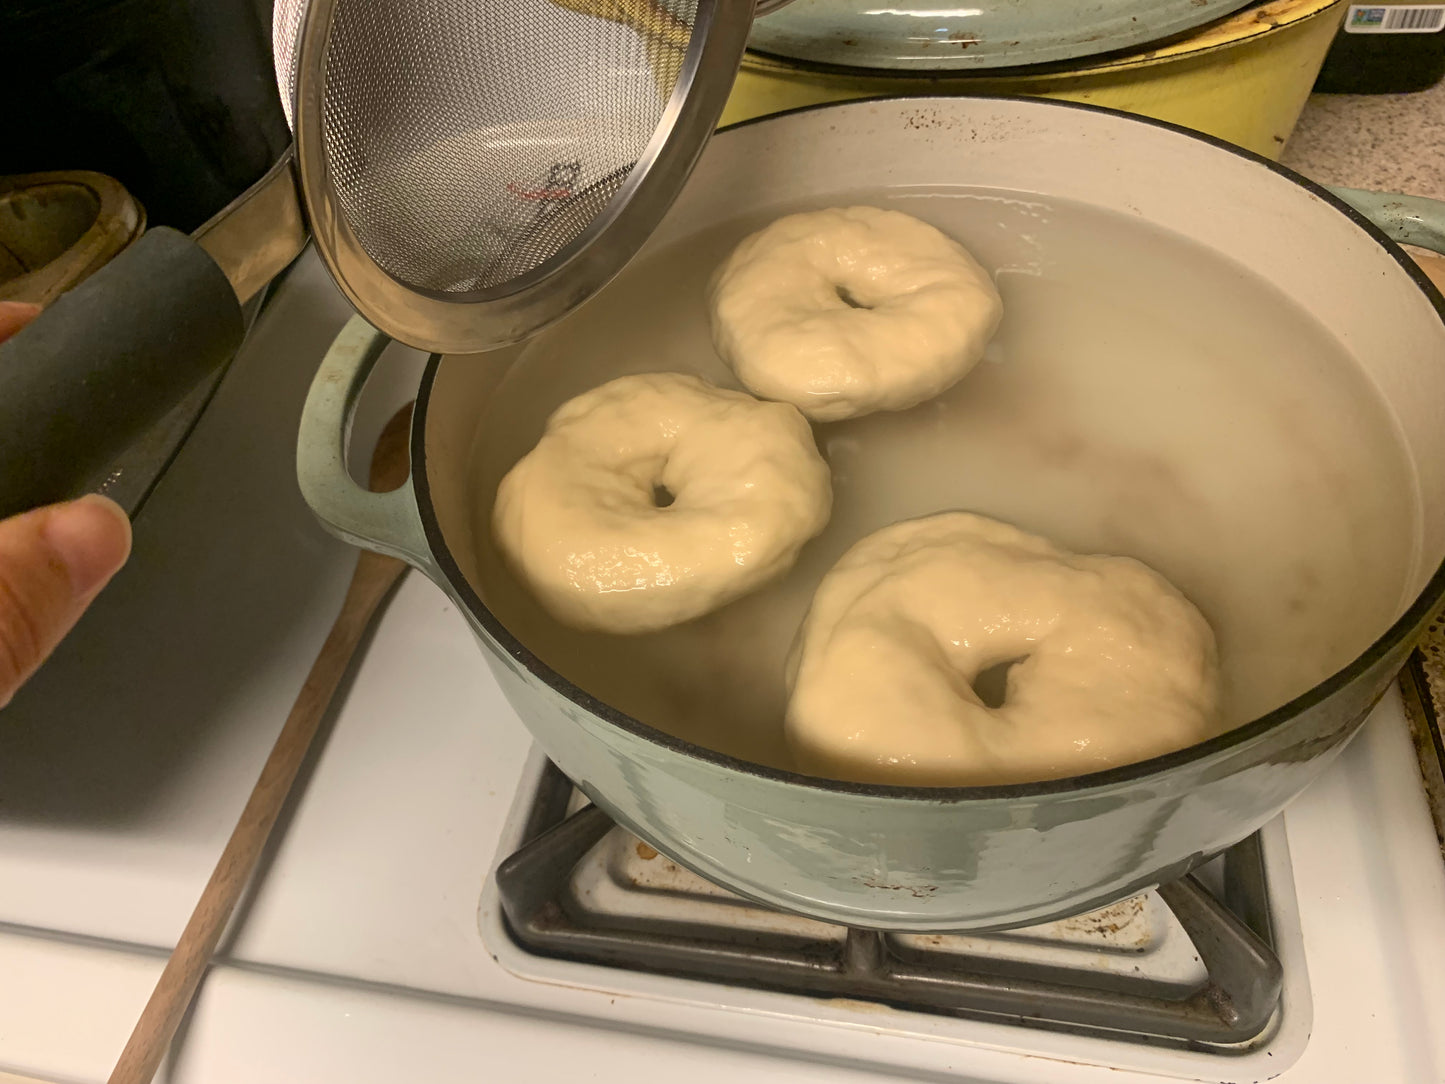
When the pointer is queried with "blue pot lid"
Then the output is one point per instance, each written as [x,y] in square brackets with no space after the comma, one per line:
[954,35]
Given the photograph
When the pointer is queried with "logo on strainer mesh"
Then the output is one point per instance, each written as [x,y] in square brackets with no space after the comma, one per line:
[556,187]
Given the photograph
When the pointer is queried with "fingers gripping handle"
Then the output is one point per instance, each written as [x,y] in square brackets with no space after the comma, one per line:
[385,522]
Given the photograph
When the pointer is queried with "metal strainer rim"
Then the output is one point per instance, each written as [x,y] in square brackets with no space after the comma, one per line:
[486,319]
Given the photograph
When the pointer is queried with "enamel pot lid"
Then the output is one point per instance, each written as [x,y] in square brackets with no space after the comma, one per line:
[928,36]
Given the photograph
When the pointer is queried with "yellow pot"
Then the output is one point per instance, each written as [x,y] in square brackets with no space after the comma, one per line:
[1244,78]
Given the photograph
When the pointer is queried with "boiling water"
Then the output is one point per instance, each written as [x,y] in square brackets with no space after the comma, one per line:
[1144,396]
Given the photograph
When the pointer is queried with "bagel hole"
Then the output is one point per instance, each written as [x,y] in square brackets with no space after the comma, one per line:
[848,299]
[991,683]
[661,495]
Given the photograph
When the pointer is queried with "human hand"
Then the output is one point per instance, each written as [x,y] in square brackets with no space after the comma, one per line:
[53,562]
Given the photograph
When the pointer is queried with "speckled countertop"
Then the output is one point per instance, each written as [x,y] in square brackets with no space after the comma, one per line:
[1389,142]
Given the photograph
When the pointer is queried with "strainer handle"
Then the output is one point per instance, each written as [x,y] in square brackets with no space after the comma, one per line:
[106,361]
[385,522]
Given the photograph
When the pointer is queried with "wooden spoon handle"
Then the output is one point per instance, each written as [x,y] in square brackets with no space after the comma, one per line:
[1433,266]
[374,577]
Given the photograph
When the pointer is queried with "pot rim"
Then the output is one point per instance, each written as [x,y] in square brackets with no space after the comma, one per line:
[1404,627]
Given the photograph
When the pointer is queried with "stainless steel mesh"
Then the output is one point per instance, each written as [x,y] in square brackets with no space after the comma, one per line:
[471,141]
[286,17]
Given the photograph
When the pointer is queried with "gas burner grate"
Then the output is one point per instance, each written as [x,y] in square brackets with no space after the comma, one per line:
[581,888]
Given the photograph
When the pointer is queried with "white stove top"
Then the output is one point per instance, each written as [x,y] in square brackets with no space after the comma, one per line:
[361,956]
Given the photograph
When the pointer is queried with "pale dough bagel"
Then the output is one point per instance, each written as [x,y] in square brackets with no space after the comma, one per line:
[583,521]
[782,318]
[1118,665]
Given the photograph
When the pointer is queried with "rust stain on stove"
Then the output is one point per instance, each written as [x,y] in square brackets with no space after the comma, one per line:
[1107,921]
[856,1005]
[644,852]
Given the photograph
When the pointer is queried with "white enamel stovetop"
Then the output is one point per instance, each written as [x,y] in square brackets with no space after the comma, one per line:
[359,958]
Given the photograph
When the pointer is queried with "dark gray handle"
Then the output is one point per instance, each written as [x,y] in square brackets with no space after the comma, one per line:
[106,361]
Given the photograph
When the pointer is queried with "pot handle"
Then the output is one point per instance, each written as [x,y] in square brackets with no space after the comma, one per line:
[1410,220]
[385,522]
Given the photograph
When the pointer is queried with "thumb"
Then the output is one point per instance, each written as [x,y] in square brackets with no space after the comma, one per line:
[53,561]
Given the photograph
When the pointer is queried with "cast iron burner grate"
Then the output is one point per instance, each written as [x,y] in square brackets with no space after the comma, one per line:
[550,891]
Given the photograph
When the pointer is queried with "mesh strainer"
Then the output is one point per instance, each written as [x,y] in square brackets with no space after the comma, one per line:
[474,169]
[471,171]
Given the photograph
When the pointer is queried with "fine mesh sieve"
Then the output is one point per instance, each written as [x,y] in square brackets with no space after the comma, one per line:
[474,170]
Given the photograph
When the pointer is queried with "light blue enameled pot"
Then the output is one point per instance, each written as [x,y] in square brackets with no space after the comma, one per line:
[963,858]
